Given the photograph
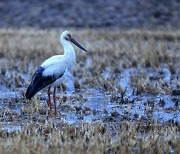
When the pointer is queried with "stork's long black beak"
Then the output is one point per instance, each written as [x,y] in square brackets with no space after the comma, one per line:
[77,43]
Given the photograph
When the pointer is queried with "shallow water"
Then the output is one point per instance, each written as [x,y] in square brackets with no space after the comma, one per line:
[92,105]
[97,107]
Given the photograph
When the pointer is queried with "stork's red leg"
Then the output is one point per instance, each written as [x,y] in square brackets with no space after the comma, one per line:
[54,97]
[49,100]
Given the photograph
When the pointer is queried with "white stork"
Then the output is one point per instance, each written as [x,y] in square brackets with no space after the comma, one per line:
[53,70]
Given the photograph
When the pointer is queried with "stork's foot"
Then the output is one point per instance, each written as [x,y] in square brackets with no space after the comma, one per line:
[50,104]
[55,114]
[52,114]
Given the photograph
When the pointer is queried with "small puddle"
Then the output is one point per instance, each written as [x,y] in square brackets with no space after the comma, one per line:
[11,127]
[10,95]
[124,80]
[93,105]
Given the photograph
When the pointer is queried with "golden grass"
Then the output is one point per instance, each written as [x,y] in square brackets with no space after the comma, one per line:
[106,48]
[88,138]
[21,51]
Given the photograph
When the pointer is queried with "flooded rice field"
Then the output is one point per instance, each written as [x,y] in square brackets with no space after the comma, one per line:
[91,105]
[123,95]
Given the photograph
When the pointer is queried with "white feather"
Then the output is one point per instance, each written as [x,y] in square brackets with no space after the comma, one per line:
[54,66]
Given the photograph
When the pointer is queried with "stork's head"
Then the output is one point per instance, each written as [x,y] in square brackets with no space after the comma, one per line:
[68,37]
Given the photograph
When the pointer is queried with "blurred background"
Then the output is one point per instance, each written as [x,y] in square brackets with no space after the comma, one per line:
[94,13]
[124,96]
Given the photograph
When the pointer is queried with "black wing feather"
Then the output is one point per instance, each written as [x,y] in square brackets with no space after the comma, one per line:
[39,82]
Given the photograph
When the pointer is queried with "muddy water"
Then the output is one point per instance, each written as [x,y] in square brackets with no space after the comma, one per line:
[92,105]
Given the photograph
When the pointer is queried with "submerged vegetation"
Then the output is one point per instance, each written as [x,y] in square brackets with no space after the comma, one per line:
[124,95]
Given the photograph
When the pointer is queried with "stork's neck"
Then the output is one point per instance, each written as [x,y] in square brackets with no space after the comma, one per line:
[69,52]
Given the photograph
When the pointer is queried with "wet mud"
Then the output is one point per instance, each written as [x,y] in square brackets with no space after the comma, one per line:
[116,93]
[131,80]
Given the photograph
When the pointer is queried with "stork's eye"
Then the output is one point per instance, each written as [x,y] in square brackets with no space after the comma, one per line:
[69,35]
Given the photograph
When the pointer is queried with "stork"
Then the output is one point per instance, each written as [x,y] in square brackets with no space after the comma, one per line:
[52,71]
